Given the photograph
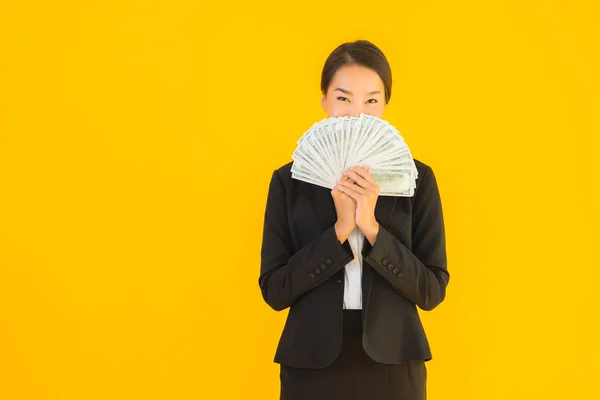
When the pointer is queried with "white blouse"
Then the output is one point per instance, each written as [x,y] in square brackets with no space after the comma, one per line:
[353,272]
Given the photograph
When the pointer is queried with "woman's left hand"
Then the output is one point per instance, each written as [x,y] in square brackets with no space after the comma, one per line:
[365,191]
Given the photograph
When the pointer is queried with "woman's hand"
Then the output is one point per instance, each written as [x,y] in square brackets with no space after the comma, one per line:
[345,207]
[361,187]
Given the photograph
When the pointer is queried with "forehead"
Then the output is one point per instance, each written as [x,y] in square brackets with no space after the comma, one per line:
[356,78]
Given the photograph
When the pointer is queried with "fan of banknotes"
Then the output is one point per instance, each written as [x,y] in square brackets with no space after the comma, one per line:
[334,144]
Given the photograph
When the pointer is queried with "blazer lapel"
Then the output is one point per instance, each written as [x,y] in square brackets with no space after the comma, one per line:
[323,203]
[383,211]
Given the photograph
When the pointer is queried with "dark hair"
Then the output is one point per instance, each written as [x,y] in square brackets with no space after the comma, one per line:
[359,52]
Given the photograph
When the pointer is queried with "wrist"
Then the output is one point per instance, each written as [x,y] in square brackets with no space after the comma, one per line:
[343,230]
[370,230]
[368,226]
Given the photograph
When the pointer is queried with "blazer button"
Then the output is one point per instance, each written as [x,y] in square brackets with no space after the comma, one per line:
[384,261]
[395,271]
[390,266]
[400,274]
[311,275]
[323,266]
[317,270]
[328,261]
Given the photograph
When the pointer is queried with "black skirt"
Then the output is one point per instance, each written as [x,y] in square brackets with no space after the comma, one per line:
[354,375]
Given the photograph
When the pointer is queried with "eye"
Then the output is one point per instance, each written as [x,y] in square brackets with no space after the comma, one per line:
[369,101]
[342,98]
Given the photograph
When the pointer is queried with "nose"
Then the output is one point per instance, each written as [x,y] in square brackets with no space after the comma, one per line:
[355,110]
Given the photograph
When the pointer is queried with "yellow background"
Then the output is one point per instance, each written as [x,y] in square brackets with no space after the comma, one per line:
[137,140]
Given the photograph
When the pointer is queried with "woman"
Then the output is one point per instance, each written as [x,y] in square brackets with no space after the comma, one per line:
[353,266]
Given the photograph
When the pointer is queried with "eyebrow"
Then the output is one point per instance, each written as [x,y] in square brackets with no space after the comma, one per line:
[351,94]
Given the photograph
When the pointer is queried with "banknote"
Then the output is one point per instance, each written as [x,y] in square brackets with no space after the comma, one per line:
[334,144]
[393,182]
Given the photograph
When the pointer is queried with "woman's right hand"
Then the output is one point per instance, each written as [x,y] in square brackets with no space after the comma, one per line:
[345,207]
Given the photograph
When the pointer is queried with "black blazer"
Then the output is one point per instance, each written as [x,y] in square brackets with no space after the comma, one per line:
[302,267]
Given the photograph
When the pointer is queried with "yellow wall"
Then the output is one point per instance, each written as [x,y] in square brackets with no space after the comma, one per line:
[137,140]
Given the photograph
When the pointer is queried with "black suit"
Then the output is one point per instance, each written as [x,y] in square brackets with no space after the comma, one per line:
[302,267]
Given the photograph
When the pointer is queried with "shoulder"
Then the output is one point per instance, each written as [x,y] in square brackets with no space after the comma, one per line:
[426,184]
[285,169]
[284,172]
[421,167]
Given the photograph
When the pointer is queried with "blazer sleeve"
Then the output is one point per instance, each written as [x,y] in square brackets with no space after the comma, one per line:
[421,275]
[286,275]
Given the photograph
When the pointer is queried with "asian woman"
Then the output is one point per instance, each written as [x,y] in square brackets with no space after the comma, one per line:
[350,265]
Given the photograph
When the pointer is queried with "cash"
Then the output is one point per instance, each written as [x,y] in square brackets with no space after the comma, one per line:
[335,144]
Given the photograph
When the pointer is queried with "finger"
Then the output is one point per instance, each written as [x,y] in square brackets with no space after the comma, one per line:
[365,172]
[350,193]
[344,196]
[357,178]
[352,186]
[347,178]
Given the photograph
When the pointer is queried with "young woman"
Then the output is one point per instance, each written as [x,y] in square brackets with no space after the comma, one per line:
[353,266]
